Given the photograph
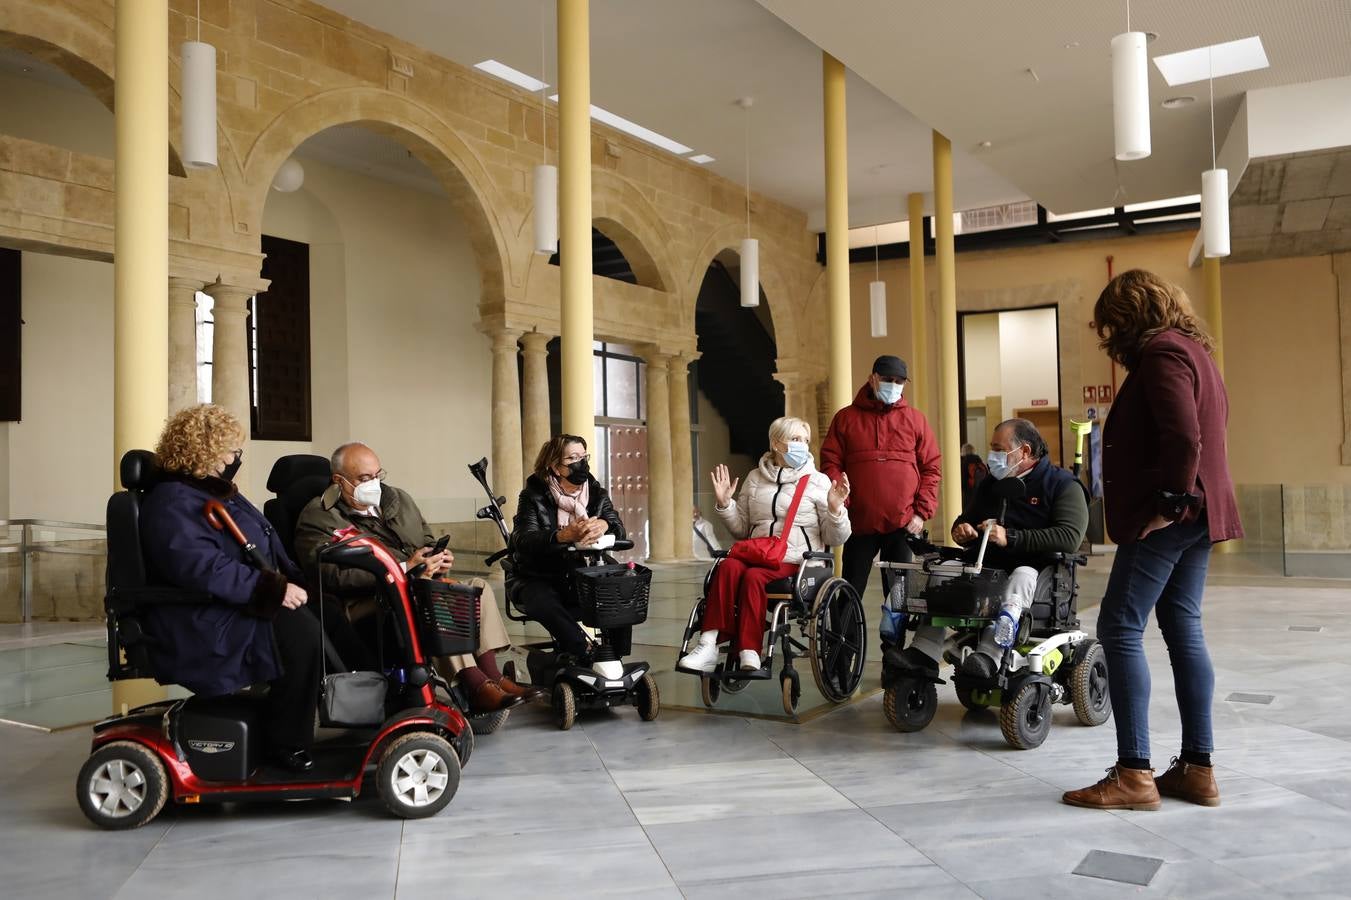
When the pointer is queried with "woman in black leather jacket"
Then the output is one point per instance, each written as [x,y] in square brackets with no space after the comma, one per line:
[561,504]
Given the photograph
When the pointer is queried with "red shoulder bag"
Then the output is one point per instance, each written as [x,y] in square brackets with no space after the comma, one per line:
[768,552]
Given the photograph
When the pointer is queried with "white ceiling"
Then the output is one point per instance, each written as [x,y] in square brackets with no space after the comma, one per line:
[963,67]
[676,67]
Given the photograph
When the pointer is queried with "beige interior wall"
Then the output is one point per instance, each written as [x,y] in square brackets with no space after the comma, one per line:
[983,370]
[714,448]
[59,454]
[4,470]
[71,118]
[1281,331]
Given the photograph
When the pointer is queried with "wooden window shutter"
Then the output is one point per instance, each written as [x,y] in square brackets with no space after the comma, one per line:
[281,409]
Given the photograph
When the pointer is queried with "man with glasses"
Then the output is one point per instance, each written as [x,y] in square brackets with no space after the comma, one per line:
[360,497]
[889,452]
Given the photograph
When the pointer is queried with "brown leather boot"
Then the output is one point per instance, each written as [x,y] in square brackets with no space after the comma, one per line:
[512,689]
[1190,782]
[1122,789]
[488,697]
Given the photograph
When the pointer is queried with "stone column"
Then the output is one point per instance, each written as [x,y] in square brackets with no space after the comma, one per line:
[949,406]
[535,428]
[682,462]
[140,248]
[182,342]
[837,230]
[661,500]
[230,350]
[506,450]
[919,328]
[574,216]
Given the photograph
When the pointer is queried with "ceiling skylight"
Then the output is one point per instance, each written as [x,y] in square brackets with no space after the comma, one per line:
[633,128]
[507,73]
[1217,60]
[701,158]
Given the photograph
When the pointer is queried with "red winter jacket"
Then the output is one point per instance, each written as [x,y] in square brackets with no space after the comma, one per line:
[892,460]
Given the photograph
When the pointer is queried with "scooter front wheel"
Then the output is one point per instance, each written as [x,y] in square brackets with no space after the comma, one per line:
[122,785]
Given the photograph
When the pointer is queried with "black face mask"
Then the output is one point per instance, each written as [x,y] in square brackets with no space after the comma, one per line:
[228,473]
[579,472]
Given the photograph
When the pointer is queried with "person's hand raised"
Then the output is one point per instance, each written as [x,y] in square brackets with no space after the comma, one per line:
[839,492]
[724,487]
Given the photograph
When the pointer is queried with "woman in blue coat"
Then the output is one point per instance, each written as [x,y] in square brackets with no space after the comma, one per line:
[254,629]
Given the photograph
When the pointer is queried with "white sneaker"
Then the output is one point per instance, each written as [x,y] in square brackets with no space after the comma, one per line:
[750,661]
[703,658]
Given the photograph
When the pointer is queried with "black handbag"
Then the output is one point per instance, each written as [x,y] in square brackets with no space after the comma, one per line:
[352,699]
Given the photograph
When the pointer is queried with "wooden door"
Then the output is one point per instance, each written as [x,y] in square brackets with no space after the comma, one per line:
[629,483]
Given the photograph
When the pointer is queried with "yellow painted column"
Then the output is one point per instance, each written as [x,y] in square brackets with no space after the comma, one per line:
[920,388]
[140,247]
[1210,268]
[506,446]
[182,342]
[535,390]
[837,232]
[682,458]
[661,499]
[948,415]
[574,207]
[230,361]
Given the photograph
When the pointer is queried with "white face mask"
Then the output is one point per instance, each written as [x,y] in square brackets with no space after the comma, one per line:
[999,463]
[796,454]
[889,392]
[367,493]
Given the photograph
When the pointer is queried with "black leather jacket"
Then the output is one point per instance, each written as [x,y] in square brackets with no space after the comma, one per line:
[534,552]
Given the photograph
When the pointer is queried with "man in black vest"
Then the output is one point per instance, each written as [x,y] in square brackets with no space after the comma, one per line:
[1051,518]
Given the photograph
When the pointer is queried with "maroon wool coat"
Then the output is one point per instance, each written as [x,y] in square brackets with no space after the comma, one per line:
[1166,431]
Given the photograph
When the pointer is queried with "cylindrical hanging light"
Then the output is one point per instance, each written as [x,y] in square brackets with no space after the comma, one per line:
[199,105]
[289,177]
[1215,212]
[877,294]
[546,209]
[1130,95]
[750,273]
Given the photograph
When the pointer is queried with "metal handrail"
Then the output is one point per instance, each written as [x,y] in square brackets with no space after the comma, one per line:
[26,547]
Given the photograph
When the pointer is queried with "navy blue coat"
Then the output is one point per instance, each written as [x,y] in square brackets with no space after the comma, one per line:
[221,647]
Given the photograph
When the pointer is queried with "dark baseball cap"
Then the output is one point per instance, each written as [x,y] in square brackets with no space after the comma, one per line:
[892,366]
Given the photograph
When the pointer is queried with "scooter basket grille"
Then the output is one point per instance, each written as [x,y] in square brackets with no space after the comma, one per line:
[447,616]
[612,596]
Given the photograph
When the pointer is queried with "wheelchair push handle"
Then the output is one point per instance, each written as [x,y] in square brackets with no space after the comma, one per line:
[219,518]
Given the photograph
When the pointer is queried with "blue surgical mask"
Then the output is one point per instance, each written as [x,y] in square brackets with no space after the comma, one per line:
[999,463]
[796,454]
[889,392]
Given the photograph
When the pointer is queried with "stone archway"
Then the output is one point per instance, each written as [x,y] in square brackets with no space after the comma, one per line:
[426,135]
[624,215]
[773,282]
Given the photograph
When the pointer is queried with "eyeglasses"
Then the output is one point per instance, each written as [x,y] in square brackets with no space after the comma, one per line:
[362,479]
[570,460]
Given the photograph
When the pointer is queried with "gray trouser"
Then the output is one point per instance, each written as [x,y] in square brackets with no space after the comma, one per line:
[1025,585]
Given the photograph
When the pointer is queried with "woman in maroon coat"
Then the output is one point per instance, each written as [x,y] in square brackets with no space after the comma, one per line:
[1168,498]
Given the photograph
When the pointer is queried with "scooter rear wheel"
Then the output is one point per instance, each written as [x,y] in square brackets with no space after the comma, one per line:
[122,785]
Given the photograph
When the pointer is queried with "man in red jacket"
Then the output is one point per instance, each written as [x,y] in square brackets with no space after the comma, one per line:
[891,457]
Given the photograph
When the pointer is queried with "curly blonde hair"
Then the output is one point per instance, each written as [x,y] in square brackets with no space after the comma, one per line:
[1137,305]
[194,440]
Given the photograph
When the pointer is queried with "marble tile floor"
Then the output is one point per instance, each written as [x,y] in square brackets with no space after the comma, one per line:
[700,806]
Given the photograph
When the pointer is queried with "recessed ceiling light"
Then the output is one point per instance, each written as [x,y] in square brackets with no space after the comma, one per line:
[701,158]
[633,128]
[507,73]
[985,145]
[1071,45]
[1178,102]
[1215,61]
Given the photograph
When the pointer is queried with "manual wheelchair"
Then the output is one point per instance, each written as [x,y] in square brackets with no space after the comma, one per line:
[607,596]
[1051,660]
[829,617]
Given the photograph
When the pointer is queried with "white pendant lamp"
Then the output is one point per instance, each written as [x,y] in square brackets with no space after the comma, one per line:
[877,295]
[1214,196]
[289,177]
[545,183]
[1130,93]
[198,101]
[750,247]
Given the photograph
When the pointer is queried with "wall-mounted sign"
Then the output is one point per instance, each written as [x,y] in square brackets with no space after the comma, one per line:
[1090,393]
[1104,393]
[1041,402]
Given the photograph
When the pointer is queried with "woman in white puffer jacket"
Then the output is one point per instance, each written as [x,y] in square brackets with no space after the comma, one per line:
[736,602]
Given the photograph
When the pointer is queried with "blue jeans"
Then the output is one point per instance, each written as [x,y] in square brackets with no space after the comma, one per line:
[1167,572]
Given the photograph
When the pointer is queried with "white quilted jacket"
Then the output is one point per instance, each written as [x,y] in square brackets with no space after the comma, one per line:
[762,504]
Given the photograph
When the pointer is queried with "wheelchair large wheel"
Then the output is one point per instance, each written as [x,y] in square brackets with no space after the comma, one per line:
[418,775]
[910,704]
[837,639]
[1088,686]
[1025,718]
[122,785]
[564,705]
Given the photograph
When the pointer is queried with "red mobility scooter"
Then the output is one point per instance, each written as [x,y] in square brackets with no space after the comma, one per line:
[402,724]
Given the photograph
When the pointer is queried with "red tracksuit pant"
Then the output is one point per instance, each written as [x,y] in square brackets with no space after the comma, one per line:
[737,602]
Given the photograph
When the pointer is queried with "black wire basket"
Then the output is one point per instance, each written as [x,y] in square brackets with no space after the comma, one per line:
[612,596]
[447,616]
